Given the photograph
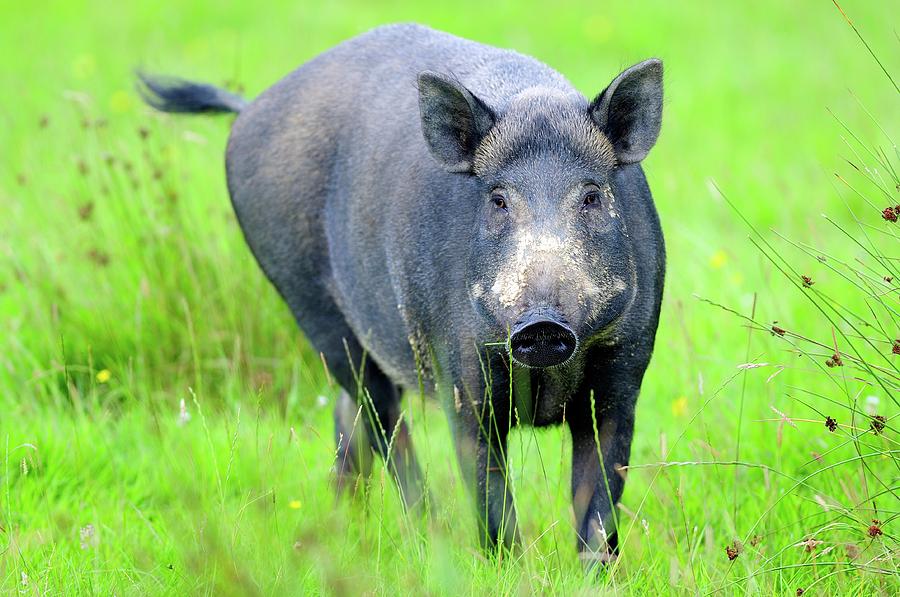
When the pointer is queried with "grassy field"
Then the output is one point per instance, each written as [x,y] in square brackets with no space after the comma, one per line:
[165,429]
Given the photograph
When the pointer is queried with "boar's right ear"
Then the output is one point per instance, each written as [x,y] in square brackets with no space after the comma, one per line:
[629,111]
[453,120]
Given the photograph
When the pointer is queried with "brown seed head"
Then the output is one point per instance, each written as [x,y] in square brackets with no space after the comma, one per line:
[831,424]
[86,211]
[99,257]
[810,544]
[889,214]
[807,281]
[878,423]
[875,529]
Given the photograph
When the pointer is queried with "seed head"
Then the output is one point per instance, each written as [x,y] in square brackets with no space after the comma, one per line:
[99,257]
[807,281]
[86,211]
[731,552]
[778,330]
[878,423]
[889,214]
[831,424]
[875,529]
[809,544]
[835,361]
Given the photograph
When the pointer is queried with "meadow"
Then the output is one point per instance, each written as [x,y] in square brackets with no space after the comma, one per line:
[165,428]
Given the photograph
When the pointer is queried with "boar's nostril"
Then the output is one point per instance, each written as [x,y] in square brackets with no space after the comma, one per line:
[542,343]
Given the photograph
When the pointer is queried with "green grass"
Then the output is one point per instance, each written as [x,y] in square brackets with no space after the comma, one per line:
[120,258]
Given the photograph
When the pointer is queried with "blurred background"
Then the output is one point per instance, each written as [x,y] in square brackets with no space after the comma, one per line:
[166,428]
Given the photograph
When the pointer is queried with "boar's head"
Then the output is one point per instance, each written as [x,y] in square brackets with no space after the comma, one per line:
[551,264]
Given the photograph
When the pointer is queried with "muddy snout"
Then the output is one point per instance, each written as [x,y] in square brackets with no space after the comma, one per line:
[542,340]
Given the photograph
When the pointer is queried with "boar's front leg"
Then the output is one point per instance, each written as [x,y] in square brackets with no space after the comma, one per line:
[481,425]
[598,478]
[375,417]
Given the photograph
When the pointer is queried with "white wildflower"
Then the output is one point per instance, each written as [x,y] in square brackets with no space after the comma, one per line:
[183,415]
[872,405]
[88,536]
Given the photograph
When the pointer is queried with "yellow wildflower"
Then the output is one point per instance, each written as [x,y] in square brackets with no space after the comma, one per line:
[597,28]
[680,406]
[294,504]
[103,375]
[84,66]
[120,101]
[718,259]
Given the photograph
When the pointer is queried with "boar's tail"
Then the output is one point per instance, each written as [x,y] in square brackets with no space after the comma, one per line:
[169,94]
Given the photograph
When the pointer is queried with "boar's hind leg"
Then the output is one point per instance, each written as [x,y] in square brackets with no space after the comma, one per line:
[354,458]
[598,478]
[389,436]
[380,421]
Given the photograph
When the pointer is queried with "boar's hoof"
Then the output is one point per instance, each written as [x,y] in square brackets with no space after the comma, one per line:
[597,560]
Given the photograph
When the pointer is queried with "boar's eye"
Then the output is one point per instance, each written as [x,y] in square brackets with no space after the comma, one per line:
[591,197]
[498,200]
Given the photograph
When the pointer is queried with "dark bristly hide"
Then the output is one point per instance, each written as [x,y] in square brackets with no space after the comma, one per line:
[441,211]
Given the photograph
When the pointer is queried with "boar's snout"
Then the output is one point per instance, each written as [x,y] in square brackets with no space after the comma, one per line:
[542,340]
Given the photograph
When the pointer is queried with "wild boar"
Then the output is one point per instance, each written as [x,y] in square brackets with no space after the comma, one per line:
[440,212]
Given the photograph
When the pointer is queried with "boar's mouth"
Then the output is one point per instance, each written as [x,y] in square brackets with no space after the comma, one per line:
[542,340]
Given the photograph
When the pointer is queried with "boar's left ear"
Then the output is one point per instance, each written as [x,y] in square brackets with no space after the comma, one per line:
[453,120]
[629,111]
